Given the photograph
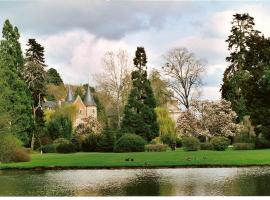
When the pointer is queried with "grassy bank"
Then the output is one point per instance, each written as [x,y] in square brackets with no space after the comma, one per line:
[178,158]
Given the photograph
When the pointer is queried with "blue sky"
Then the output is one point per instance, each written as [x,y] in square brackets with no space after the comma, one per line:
[76,34]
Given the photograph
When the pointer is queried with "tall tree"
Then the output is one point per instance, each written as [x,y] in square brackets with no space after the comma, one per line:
[139,115]
[53,77]
[13,87]
[115,79]
[184,73]
[235,75]
[34,75]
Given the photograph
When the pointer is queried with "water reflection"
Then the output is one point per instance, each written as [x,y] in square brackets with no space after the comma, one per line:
[137,182]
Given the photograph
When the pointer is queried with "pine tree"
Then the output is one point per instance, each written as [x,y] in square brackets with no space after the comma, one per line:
[34,75]
[16,95]
[139,114]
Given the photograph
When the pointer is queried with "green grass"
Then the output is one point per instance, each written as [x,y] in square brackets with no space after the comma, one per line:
[178,158]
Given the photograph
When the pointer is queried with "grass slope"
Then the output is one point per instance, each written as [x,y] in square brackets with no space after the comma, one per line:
[178,158]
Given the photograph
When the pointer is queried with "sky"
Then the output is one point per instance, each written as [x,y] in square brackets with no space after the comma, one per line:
[77,33]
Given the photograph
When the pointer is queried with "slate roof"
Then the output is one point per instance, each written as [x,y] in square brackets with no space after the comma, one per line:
[88,99]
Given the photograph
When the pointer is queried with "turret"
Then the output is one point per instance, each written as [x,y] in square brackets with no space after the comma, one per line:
[88,99]
[69,97]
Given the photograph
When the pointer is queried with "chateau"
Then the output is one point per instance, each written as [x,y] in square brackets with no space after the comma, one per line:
[85,108]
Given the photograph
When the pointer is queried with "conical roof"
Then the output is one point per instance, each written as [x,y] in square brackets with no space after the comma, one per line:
[69,97]
[88,99]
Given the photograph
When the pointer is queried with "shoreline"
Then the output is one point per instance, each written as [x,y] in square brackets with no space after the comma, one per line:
[56,168]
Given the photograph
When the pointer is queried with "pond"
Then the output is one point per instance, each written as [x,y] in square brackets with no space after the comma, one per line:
[137,182]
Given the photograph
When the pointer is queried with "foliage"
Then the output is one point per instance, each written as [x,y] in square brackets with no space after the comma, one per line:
[20,155]
[49,148]
[55,92]
[107,141]
[65,148]
[91,142]
[206,146]
[53,77]
[235,74]
[191,143]
[178,142]
[77,143]
[220,143]
[17,98]
[59,123]
[130,143]
[11,150]
[139,115]
[166,127]
[261,142]
[208,119]
[184,73]
[160,88]
[243,146]
[247,132]
[156,147]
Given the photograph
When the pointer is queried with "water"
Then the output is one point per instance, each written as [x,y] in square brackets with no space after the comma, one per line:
[137,182]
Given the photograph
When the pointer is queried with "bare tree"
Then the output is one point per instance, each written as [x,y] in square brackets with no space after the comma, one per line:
[115,79]
[184,73]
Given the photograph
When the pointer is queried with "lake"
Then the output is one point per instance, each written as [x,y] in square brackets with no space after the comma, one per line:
[137,182]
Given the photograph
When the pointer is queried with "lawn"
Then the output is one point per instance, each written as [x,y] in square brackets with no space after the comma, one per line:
[178,158]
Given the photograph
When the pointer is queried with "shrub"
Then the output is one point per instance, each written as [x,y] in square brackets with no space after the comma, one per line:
[8,145]
[90,143]
[77,143]
[20,155]
[191,143]
[206,146]
[156,147]
[262,143]
[49,148]
[220,143]
[156,140]
[65,148]
[130,143]
[243,146]
[107,141]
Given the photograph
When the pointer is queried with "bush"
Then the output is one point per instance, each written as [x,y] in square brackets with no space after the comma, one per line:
[243,146]
[77,144]
[130,143]
[206,146]
[156,140]
[191,143]
[156,147]
[20,155]
[90,143]
[262,143]
[49,148]
[65,148]
[8,146]
[107,141]
[220,143]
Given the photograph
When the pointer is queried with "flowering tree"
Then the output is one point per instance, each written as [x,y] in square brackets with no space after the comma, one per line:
[208,118]
[92,126]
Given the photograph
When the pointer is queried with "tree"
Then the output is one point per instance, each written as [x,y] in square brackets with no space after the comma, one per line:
[184,73]
[139,114]
[55,93]
[34,76]
[16,95]
[235,75]
[160,88]
[208,119]
[115,79]
[53,77]
[167,127]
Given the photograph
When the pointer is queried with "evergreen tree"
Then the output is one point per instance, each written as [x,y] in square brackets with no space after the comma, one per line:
[14,89]
[235,75]
[139,114]
[34,75]
[53,77]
